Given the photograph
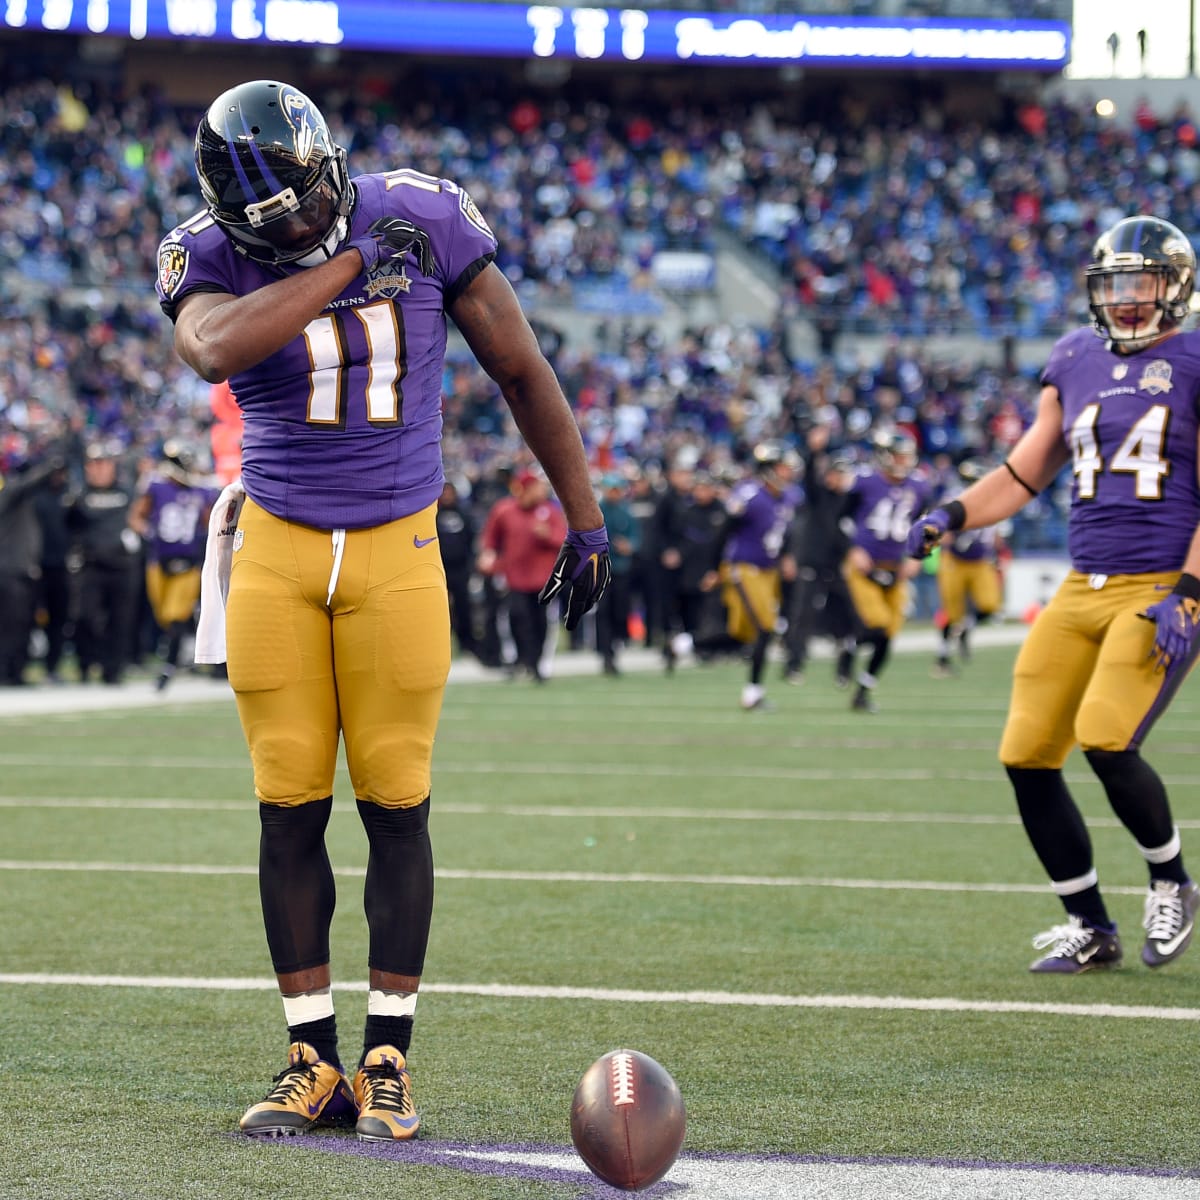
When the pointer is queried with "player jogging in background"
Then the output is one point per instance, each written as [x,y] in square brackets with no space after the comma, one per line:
[760,511]
[968,581]
[1110,650]
[323,301]
[171,517]
[883,503]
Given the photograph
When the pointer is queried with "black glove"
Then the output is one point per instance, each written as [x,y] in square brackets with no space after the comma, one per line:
[583,569]
[393,237]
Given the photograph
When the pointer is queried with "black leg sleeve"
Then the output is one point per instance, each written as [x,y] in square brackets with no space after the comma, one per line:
[398,896]
[1136,793]
[295,883]
[1052,821]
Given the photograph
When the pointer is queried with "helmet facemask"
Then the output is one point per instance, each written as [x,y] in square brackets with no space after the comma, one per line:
[1140,282]
[1135,305]
[286,228]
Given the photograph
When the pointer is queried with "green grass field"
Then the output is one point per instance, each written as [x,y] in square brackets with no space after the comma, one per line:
[819,921]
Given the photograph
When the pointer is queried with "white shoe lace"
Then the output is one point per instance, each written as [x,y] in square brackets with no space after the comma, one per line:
[1162,916]
[1067,940]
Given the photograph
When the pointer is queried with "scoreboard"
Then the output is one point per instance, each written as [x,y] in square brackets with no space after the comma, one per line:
[550,31]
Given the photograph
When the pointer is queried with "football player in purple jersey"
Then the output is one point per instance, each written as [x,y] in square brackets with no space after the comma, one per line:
[323,301]
[968,580]
[1112,647]
[883,503]
[760,511]
[170,515]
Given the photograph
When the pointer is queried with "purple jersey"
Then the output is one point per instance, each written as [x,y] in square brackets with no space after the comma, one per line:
[176,525]
[975,545]
[883,513]
[1131,424]
[760,523]
[343,425]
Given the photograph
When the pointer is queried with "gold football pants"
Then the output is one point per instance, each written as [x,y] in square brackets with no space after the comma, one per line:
[326,639]
[172,597]
[1085,674]
[960,580]
[751,598]
[877,607]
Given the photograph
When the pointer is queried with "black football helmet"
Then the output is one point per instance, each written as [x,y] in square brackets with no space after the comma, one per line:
[1130,320]
[895,453]
[271,174]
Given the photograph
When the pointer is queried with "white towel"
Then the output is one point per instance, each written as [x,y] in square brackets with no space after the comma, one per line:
[214,578]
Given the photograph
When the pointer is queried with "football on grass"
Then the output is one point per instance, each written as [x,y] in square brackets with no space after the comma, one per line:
[627,1119]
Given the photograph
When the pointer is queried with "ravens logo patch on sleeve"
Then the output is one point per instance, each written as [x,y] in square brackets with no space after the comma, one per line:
[172,267]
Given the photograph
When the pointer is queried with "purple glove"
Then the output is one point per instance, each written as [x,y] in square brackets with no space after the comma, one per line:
[1176,621]
[393,237]
[925,533]
[583,569]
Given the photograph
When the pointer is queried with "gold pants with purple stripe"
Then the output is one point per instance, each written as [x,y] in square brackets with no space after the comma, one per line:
[326,640]
[1085,675]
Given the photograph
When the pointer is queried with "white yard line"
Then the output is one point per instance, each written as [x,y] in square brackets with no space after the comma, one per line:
[512,991]
[595,770]
[598,877]
[583,812]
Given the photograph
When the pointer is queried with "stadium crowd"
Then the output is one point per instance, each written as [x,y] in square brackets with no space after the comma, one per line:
[911,224]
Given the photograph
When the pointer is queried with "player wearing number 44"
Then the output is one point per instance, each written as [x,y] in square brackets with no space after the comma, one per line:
[1113,646]
[323,300]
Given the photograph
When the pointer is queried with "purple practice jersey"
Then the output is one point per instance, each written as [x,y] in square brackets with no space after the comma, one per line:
[760,523]
[343,425]
[176,525]
[883,513]
[1131,424]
